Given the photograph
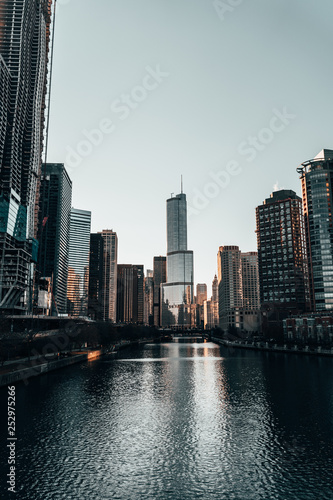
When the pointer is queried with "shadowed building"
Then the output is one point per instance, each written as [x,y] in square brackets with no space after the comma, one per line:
[282,258]
[53,232]
[130,299]
[109,290]
[159,278]
[95,304]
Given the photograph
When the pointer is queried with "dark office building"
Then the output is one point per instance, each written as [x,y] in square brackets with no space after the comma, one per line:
[130,297]
[317,192]
[24,41]
[159,277]
[53,231]
[95,302]
[282,257]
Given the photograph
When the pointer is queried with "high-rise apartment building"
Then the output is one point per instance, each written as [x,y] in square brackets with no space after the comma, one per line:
[283,270]
[109,291]
[317,192]
[250,291]
[53,232]
[95,303]
[160,277]
[24,41]
[130,293]
[78,262]
[177,292]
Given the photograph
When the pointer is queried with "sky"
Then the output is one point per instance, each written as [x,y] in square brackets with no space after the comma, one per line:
[233,95]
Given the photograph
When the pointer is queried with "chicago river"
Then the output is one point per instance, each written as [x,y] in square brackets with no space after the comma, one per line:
[180,421]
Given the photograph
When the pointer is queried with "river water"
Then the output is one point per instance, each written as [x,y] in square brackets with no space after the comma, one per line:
[180,421]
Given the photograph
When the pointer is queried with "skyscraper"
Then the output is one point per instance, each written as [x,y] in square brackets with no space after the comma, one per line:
[317,191]
[24,40]
[159,277]
[130,300]
[95,304]
[53,231]
[238,289]
[109,291]
[283,270]
[148,316]
[177,292]
[201,293]
[230,287]
[78,262]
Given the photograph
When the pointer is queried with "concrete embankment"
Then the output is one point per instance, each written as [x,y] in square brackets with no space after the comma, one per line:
[22,370]
[264,346]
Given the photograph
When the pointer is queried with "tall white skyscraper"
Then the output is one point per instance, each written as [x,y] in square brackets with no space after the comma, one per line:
[177,292]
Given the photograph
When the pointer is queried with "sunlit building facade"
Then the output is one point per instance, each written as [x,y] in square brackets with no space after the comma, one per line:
[177,292]
[78,262]
[230,287]
[317,193]
[24,41]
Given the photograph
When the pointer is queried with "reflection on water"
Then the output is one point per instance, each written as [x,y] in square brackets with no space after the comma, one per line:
[178,421]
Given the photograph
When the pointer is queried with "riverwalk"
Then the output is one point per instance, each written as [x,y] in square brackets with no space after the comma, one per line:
[267,347]
[17,370]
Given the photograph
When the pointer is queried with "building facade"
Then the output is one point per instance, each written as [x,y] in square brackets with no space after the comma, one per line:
[317,192]
[160,276]
[130,294]
[230,287]
[282,256]
[148,316]
[78,262]
[53,233]
[24,41]
[109,290]
[177,292]
[95,303]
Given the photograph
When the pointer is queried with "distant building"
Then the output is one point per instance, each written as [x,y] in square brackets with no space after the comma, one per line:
[53,233]
[317,192]
[250,290]
[95,300]
[148,316]
[201,293]
[282,257]
[78,262]
[160,276]
[211,307]
[177,292]
[109,290]
[130,294]
[230,287]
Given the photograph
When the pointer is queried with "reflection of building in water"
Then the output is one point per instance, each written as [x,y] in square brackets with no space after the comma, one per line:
[78,262]
[177,292]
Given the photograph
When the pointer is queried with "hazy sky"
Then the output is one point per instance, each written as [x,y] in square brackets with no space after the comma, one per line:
[232,94]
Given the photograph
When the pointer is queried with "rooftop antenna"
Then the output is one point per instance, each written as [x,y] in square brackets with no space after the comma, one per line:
[181,184]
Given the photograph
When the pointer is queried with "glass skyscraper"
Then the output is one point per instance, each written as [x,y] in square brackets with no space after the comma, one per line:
[109,289]
[24,41]
[177,292]
[317,192]
[78,262]
[53,232]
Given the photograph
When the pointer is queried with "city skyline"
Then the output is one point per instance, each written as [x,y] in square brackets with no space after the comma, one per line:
[215,86]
